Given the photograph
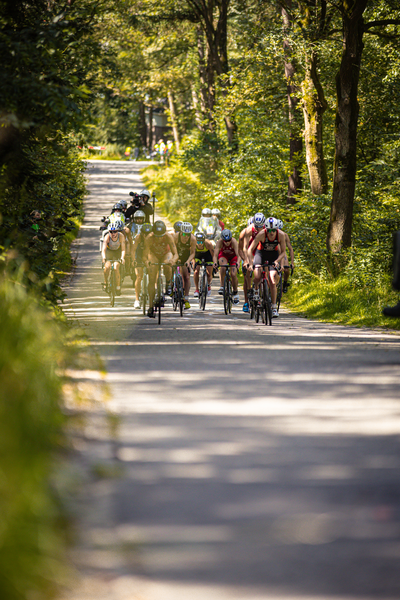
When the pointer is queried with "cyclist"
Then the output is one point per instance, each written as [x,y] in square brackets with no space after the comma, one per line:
[113,250]
[177,226]
[285,262]
[138,259]
[186,246]
[246,237]
[269,246]
[226,252]
[208,225]
[217,214]
[159,247]
[204,249]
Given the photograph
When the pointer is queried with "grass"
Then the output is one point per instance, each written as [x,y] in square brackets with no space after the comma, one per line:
[339,301]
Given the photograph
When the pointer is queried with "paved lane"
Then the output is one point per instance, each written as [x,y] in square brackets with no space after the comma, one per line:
[249,462]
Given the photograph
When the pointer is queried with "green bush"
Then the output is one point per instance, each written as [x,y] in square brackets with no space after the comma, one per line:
[32,537]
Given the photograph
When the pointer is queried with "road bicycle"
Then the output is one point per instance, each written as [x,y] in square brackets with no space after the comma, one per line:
[260,300]
[203,283]
[144,290]
[178,292]
[159,298]
[228,292]
[111,286]
[279,290]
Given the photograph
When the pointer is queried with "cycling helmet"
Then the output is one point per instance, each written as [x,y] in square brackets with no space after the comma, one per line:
[216,212]
[279,224]
[250,221]
[159,228]
[115,226]
[139,214]
[206,212]
[177,226]
[145,193]
[117,206]
[200,238]
[186,227]
[226,235]
[146,228]
[124,204]
[271,223]
[259,219]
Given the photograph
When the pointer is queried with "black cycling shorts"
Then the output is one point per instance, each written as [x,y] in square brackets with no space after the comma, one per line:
[265,256]
[198,257]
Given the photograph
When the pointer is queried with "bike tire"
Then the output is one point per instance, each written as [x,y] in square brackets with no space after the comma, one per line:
[257,313]
[113,287]
[267,304]
[204,290]
[227,292]
[279,290]
[159,291]
[144,293]
[181,295]
[175,292]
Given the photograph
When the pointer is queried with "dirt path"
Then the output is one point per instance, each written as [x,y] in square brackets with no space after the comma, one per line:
[246,462]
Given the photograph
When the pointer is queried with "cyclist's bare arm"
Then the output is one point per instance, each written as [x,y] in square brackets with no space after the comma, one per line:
[171,243]
[235,245]
[210,246]
[260,237]
[192,249]
[104,248]
[216,251]
[242,238]
[123,248]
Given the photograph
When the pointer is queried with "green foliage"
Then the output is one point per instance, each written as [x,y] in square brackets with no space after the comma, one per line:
[32,534]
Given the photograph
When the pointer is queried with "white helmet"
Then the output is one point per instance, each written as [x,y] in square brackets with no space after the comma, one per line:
[250,221]
[139,214]
[145,193]
[259,219]
[271,223]
[186,227]
[206,212]
[124,204]
[216,212]
[280,224]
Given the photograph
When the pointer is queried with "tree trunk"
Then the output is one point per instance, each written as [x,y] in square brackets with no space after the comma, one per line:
[314,106]
[295,142]
[347,109]
[174,122]
[206,75]
[142,125]
[197,112]
[150,129]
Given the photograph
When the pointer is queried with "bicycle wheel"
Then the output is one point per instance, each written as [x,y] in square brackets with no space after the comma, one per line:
[227,294]
[113,286]
[204,289]
[181,294]
[144,291]
[160,295]
[267,304]
[279,290]
[175,292]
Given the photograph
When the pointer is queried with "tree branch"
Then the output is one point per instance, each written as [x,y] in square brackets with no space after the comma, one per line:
[382,23]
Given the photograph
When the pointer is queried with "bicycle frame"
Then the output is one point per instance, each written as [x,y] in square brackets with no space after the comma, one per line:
[178,293]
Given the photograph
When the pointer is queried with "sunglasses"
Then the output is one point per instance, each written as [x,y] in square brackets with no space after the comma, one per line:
[271,230]
[184,234]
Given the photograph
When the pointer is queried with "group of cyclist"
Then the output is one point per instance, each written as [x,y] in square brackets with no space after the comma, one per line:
[261,242]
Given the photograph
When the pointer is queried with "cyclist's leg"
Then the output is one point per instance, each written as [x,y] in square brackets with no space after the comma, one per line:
[222,261]
[196,275]
[107,267]
[168,271]
[234,276]
[138,283]
[210,269]
[258,262]
[153,270]
[274,276]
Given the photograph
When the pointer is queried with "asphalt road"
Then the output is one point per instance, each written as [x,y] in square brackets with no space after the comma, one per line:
[232,461]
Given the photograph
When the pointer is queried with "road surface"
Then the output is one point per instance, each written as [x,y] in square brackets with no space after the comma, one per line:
[240,462]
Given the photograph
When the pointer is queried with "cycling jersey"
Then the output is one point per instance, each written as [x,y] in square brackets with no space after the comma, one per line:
[229,253]
[116,217]
[183,249]
[159,246]
[203,253]
[268,245]
[114,245]
[254,234]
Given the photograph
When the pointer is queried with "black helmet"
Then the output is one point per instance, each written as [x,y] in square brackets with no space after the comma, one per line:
[226,235]
[146,228]
[177,226]
[159,228]
[200,238]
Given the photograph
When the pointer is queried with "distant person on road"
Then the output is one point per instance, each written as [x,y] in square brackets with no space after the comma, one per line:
[186,246]
[112,251]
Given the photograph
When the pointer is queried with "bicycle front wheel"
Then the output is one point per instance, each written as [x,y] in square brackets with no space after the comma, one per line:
[144,292]
[279,290]
[227,294]
[204,290]
[267,305]
[181,295]
[113,287]
[175,293]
